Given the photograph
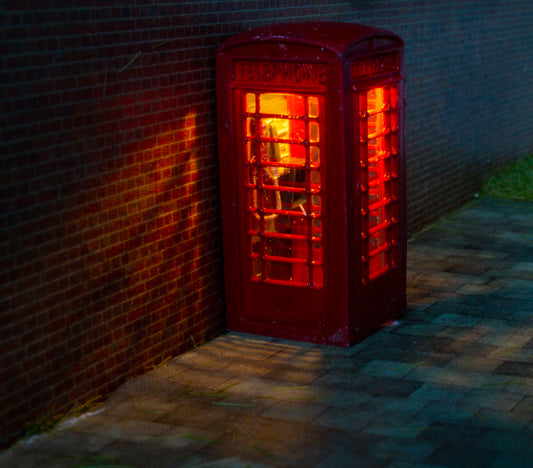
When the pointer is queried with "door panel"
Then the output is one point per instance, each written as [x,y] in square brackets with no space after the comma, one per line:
[282,147]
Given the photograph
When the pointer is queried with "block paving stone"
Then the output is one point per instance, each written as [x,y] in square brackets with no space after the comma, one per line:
[449,385]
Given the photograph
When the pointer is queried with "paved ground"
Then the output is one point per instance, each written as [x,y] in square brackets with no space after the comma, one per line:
[450,385]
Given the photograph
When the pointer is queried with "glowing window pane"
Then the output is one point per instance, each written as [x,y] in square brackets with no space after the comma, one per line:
[283,129]
[252,175]
[312,103]
[255,224]
[293,178]
[250,127]
[256,245]
[314,155]
[250,102]
[315,179]
[281,104]
[251,151]
[313,132]
[291,154]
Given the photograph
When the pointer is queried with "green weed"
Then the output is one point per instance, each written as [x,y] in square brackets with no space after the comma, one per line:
[514,182]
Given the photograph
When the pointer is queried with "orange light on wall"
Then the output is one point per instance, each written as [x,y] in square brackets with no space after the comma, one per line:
[311,164]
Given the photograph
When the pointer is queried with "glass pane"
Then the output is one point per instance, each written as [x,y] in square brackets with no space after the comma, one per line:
[288,201]
[314,155]
[270,223]
[375,100]
[377,263]
[312,103]
[255,223]
[253,199]
[376,240]
[257,268]
[313,132]
[271,175]
[283,152]
[272,199]
[394,144]
[251,151]
[251,124]
[256,245]
[271,151]
[287,248]
[276,247]
[373,174]
[315,180]
[375,194]
[375,217]
[317,252]
[281,104]
[283,129]
[250,102]
[292,177]
[371,124]
[298,202]
[285,224]
[284,271]
[252,175]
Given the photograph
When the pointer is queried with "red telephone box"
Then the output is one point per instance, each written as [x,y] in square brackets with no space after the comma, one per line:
[311,145]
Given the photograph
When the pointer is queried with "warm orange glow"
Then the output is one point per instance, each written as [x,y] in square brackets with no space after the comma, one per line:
[379,185]
[282,156]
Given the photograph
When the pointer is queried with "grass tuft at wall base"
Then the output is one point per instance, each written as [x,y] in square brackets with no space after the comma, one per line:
[514,182]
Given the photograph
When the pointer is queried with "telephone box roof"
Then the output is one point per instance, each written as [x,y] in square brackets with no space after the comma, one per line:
[337,37]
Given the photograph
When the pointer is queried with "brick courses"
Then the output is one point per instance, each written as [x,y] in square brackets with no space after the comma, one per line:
[110,249]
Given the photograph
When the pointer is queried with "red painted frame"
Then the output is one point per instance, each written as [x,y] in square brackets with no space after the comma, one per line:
[336,62]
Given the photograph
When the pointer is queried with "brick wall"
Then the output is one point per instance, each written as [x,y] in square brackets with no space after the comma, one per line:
[110,249]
